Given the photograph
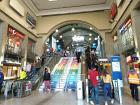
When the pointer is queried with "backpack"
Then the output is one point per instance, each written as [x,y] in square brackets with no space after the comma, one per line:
[1,78]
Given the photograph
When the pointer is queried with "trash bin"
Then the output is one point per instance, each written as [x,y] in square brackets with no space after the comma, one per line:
[79,90]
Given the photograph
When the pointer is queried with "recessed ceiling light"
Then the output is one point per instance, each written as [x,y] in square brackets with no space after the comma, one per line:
[89,39]
[90,34]
[90,28]
[96,38]
[52,0]
[73,29]
[77,44]
[56,30]
[57,40]
[61,36]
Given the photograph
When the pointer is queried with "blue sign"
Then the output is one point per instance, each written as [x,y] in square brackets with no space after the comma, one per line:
[116,68]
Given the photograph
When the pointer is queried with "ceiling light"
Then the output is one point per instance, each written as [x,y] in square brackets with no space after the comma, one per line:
[77,44]
[61,36]
[96,38]
[56,30]
[52,0]
[72,45]
[90,34]
[89,39]
[73,29]
[57,41]
[90,28]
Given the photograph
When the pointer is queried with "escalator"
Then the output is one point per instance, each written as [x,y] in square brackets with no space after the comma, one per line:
[73,76]
[57,73]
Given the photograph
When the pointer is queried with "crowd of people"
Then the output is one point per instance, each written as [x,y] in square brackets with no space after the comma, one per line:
[94,75]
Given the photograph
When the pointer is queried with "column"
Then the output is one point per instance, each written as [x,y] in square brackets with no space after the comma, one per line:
[108,44]
[135,16]
[3,39]
[24,52]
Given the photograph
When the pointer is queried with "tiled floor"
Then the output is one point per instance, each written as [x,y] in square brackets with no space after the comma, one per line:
[58,98]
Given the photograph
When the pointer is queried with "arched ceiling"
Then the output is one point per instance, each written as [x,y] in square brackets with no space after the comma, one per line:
[53,7]
[66,32]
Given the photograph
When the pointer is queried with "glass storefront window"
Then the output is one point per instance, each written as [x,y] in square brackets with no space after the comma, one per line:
[127,36]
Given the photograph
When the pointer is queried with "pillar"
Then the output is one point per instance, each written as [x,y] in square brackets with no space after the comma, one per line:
[108,44]
[24,51]
[3,39]
[135,16]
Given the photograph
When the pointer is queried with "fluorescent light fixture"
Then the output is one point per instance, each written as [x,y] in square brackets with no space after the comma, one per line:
[90,34]
[56,30]
[78,38]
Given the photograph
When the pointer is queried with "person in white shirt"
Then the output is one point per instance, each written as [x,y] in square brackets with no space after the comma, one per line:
[28,68]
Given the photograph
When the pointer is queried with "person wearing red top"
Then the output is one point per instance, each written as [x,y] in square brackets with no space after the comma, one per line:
[93,77]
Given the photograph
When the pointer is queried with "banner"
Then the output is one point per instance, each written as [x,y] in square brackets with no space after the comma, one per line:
[116,68]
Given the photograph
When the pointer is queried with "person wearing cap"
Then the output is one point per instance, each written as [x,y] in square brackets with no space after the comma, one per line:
[1,78]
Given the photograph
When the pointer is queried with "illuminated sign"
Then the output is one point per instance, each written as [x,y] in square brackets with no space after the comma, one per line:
[12,31]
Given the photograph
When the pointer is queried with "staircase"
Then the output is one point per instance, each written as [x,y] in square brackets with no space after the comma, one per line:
[62,81]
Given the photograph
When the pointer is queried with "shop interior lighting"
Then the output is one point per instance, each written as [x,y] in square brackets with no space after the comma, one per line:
[57,40]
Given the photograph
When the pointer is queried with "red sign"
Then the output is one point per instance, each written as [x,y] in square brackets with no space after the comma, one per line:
[12,31]
[113,11]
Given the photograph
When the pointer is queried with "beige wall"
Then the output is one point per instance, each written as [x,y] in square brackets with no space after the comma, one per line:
[5,8]
[97,19]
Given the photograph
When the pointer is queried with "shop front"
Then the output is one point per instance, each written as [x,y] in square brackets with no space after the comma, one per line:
[13,53]
[128,50]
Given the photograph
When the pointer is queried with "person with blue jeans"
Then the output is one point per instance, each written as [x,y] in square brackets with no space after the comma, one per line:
[107,87]
[93,77]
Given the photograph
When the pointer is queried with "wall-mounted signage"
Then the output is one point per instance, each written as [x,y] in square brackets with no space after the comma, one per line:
[17,7]
[113,11]
[125,25]
[12,31]
[30,20]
